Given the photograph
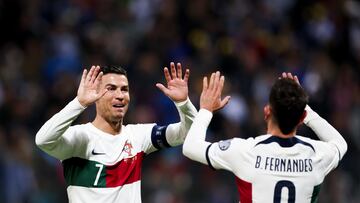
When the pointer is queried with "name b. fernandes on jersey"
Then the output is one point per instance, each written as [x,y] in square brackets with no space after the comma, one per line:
[283,164]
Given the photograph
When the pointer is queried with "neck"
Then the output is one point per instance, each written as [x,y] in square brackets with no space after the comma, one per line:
[274,130]
[110,127]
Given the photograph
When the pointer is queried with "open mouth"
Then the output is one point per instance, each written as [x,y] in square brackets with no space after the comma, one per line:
[118,106]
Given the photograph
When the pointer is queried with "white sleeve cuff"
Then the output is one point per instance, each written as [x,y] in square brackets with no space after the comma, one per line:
[75,103]
[204,116]
[178,104]
[310,115]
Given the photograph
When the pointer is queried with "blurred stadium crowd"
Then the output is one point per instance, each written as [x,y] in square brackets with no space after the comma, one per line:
[44,45]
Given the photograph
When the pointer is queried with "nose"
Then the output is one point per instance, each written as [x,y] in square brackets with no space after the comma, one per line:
[119,94]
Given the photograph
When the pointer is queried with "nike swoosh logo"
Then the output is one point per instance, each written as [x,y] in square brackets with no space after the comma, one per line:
[96,153]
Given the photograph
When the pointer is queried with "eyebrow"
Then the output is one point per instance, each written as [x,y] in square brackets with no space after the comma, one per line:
[113,85]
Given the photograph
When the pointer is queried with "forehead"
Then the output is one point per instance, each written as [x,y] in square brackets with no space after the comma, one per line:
[115,79]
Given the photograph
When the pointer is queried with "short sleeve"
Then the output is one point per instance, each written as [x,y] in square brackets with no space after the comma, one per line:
[222,154]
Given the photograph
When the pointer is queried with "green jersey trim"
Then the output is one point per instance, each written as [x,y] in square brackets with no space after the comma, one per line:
[87,173]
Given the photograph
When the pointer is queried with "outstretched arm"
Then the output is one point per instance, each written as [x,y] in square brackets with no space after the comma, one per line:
[325,131]
[320,126]
[50,137]
[177,90]
[195,145]
[177,86]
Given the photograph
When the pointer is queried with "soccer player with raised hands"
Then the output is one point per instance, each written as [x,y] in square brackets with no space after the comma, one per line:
[102,159]
[279,166]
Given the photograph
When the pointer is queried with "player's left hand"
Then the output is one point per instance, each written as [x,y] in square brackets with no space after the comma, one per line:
[290,76]
[177,85]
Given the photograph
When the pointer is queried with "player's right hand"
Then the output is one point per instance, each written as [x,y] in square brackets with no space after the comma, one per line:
[210,98]
[89,89]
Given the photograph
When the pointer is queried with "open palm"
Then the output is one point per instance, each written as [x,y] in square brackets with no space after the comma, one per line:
[177,86]
[210,97]
[89,88]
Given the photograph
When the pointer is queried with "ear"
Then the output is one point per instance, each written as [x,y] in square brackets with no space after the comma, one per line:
[267,112]
[302,117]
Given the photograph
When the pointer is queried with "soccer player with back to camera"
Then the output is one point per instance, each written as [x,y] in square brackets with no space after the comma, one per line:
[279,166]
[102,159]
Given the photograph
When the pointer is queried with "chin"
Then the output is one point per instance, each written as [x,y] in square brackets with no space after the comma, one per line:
[115,119]
[118,116]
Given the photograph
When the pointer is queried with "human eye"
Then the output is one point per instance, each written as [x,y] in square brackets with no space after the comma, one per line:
[125,89]
[111,87]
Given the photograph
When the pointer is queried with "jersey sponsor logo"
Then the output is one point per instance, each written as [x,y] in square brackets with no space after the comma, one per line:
[224,144]
[97,153]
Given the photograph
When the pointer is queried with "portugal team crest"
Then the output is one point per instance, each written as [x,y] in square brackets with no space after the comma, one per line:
[127,148]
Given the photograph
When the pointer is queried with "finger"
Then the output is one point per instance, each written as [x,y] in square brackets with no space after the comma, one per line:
[90,74]
[167,75]
[103,92]
[216,81]
[220,86]
[179,70]
[284,75]
[95,74]
[162,88]
[98,80]
[172,70]
[289,75]
[83,77]
[205,84]
[186,76]
[225,101]
[211,83]
[296,80]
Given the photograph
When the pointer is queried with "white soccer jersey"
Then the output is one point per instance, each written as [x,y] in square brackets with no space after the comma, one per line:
[105,164]
[269,168]
[104,168]
[272,169]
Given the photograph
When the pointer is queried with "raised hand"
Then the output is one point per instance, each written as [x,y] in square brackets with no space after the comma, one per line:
[290,76]
[177,86]
[210,98]
[89,89]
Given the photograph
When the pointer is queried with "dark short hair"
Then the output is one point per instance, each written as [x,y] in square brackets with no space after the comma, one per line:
[113,69]
[287,101]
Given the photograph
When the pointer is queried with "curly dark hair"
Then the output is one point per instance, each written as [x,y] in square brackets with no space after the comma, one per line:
[287,101]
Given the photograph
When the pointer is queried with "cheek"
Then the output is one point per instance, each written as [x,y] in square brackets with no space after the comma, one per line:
[101,105]
[127,98]
[103,101]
